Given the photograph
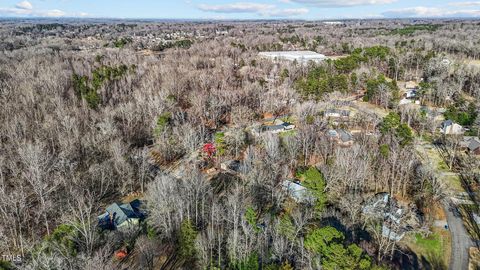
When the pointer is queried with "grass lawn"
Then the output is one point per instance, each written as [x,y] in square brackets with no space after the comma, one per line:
[435,248]
[288,133]
[454,183]
[431,156]
[431,244]
[288,119]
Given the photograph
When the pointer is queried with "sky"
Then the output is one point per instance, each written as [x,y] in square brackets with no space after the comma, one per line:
[242,9]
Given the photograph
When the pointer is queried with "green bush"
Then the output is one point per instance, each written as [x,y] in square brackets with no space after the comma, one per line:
[373,88]
[4,265]
[249,263]
[64,236]
[315,183]
[391,125]
[335,75]
[88,88]
[252,219]
[327,242]
[409,30]
[120,43]
[220,143]
[162,122]
[187,238]
[462,115]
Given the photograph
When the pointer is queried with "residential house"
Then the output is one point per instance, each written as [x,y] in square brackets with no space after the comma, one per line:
[298,192]
[121,216]
[474,146]
[471,144]
[340,137]
[396,223]
[412,91]
[408,101]
[276,126]
[302,57]
[376,204]
[411,94]
[391,233]
[336,113]
[233,166]
[449,127]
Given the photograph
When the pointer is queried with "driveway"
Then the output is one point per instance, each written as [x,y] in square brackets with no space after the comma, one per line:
[461,241]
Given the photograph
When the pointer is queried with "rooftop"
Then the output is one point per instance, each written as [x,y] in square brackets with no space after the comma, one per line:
[120,213]
[298,192]
[303,56]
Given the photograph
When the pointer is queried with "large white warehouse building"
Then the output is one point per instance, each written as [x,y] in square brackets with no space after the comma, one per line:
[299,56]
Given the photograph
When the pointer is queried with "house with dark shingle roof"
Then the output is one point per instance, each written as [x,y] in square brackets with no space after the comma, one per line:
[474,146]
[341,137]
[118,216]
[277,126]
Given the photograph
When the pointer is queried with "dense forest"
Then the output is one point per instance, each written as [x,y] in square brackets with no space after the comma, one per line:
[97,112]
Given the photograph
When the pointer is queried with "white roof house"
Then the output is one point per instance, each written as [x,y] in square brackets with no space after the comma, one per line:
[299,56]
[451,128]
[411,93]
[383,206]
[392,234]
[336,113]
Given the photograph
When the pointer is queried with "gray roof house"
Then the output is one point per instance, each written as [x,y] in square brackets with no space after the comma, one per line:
[341,137]
[298,192]
[383,206]
[118,216]
[474,146]
[276,127]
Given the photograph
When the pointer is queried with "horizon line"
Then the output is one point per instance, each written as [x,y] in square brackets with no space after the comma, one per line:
[234,20]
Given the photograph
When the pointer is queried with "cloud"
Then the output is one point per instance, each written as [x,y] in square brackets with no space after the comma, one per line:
[24,5]
[236,8]
[288,12]
[254,8]
[430,12]
[14,11]
[52,13]
[25,8]
[341,3]
[465,4]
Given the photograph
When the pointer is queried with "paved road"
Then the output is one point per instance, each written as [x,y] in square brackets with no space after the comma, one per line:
[461,241]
